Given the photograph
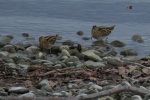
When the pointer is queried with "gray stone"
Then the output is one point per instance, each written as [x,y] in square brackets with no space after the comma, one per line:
[31,50]
[57,66]
[14,57]
[18,90]
[4,54]
[117,43]
[2,93]
[70,63]
[80,33]
[9,48]
[71,59]
[63,47]
[91,55]
[63,57]
[45,85]
[92,64]
[65,53]
[85,38]
[57,94]
[73,86]
[6,40]
[136,73]
[25,34]
[65,94]
[10,36]
[27,95]
[110,53]
[23,66]
[114,62]
[106,98]
[136,97]
[131,58]
[11,65]
[129,52]
[95,87]
[80,95]
[68,42]
[137,38]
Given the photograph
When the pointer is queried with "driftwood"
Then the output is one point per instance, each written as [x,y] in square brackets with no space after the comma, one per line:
[116,90]
[135,90]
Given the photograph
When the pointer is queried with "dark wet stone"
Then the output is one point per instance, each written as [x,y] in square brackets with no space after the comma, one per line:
[117,43]
[80,33]
[110,53]
[137,38]
[68,42]
[129,52]
[25,34]
[114,62]
[10,36]
[99,43]
[9,48]
[85,38]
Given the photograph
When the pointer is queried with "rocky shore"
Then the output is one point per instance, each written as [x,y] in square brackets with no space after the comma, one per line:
[73,72]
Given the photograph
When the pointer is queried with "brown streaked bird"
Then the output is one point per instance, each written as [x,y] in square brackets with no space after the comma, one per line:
[45,43]
[101,32]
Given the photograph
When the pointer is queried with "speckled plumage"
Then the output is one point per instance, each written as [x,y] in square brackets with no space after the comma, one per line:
[101,32]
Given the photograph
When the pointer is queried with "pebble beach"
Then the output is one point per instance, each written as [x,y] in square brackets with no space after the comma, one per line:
[72,71]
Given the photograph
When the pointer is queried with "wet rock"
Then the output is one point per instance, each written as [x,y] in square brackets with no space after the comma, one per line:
[71,59]
[3,93]
[57,66]
[65,53]
[68,42]
[85,38]
[64,47]
[9,48]
[100,43]
[65,94]
[18,90]
[114,62]
[129,52]
[27,95]
[2,44]
[82,91]
[57,94]
[3,54]
[106,98]
[110,53]
[23,66]
[25,34]
[131,58]
[117,43]
[8,60]
[31,50]
[14,57]
[73,86]
[45,85]
[80,95]
[91,55]
[80,33]
[63,58]
[136,97]
[10,36]
[92,64]
[136,73]
[24,60]
[6,40]
[137,38]
[38,92]
[95,87]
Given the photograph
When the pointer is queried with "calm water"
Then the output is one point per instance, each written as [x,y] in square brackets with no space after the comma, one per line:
[66,17]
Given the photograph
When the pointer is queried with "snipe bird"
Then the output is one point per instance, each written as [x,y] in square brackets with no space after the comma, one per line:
[45,43]
[101,32]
